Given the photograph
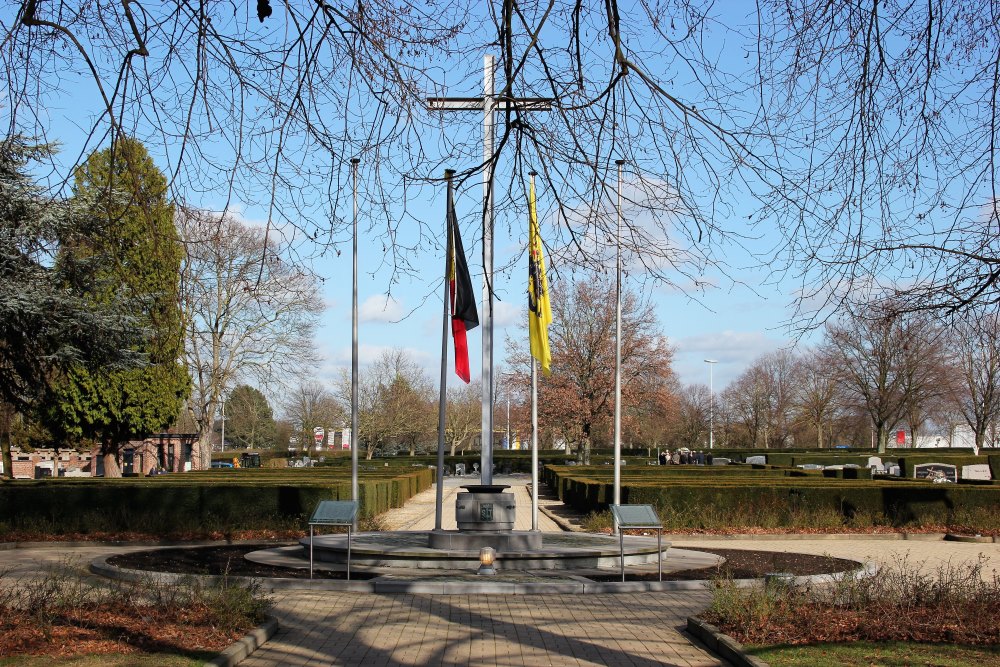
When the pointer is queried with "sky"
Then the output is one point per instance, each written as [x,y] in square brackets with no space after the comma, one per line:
[732,324]
[732,318]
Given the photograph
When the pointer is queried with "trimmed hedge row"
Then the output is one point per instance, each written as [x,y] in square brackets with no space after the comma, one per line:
[790,502]
[194,502]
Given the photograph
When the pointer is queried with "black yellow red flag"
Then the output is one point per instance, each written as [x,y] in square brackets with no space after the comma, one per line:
[464,315]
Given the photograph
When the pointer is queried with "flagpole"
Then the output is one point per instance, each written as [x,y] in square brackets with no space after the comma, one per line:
[443,395]
[486,445]
[618,346]
[355,440]
[534,427]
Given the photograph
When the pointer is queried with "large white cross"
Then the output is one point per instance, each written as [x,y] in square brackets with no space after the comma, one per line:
[489,105]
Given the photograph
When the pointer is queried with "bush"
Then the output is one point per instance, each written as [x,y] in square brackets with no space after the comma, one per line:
[708,499]
[207,501]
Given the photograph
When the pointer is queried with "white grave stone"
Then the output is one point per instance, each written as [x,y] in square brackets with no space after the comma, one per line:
[979,471]
[720,461]
[757,460]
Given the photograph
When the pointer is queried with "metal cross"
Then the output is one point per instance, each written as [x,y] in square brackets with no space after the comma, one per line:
[488,104]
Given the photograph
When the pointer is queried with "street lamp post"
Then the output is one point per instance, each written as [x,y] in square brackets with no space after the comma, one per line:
[711,403]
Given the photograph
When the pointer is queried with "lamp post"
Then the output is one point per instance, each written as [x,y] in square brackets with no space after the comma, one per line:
[711,403]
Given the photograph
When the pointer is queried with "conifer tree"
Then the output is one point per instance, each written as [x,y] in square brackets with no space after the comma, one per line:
[133,230]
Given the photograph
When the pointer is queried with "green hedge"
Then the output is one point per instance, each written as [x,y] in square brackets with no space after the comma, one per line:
[812,501]
[195,503]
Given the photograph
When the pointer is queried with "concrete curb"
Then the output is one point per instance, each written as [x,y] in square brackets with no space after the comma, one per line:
[10,546]
[101,567]
[241,649]
[756,537]
[722,644]
[975,539]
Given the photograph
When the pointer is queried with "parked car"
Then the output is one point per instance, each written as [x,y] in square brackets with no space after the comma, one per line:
[221,464]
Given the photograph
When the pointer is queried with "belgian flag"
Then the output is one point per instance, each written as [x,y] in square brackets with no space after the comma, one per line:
[463,302]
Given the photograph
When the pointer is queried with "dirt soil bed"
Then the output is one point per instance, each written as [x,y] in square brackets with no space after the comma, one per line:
[104,629]
[739,564]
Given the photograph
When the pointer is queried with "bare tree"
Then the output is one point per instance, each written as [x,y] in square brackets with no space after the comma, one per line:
[887,361]
[395,403]
[463,417]
[816,396]
[976,347]
[691,422]
[867,133]
[248,318]
[311,405]
[576,400]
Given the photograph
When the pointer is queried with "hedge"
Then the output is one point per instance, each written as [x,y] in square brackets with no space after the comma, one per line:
[261,499]
[751,500]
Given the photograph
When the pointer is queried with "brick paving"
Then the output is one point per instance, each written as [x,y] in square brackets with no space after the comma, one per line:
[341,628]
[351,629]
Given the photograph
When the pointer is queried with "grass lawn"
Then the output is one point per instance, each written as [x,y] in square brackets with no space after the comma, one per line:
[879,654]
[110,660]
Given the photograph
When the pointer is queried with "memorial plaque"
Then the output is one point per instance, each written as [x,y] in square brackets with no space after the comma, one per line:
[486,511]
[335,512]
[635,516]
[936,472]
[980,471]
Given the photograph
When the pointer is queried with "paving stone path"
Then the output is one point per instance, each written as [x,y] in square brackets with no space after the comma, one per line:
[333,628]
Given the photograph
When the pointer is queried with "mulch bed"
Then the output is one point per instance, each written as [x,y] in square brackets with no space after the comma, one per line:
[811,623]
[110,629]
[739,564]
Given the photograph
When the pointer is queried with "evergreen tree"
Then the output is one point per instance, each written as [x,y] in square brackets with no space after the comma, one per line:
[46,323]
[249,419]
[142,256]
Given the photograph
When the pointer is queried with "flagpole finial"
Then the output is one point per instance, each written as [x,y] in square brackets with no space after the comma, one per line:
[619,162]
[532,173]
[448,173]
[355,160]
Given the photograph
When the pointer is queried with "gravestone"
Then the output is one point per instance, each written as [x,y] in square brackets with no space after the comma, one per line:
[460,469]
[810,466]
[894,470]
[936,472]
[834,467]
[720,461]
[875,462]
[980,471]
[757,460]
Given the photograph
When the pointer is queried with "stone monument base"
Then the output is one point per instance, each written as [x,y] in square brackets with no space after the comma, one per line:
[470,540]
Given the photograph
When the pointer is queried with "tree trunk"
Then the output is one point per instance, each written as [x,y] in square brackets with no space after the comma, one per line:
[109,456]
[201,451]
[8,461]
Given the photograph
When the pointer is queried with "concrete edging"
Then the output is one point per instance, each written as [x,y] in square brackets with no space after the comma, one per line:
[722,644]
[241,649]
[101,567]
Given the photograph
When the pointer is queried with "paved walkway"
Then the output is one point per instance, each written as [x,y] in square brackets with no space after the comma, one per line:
[333,628]
[418,514]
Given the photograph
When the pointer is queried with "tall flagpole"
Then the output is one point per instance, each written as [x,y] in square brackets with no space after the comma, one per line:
[618,346]
[443,394]
[534,425]
[355,440]
[489,105]
[486,452]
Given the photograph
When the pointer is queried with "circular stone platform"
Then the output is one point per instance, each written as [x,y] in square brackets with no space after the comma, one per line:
[413,549]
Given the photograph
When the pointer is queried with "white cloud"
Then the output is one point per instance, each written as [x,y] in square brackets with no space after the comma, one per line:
[506,314]
[380,308]
[734,351]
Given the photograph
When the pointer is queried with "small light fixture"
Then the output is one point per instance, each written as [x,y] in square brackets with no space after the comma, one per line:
[487,556]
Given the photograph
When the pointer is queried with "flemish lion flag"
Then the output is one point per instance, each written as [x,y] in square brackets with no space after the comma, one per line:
[539,308]
[463,303]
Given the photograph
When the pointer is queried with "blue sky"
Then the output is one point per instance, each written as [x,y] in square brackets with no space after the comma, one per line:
[732,323]
[732,316]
